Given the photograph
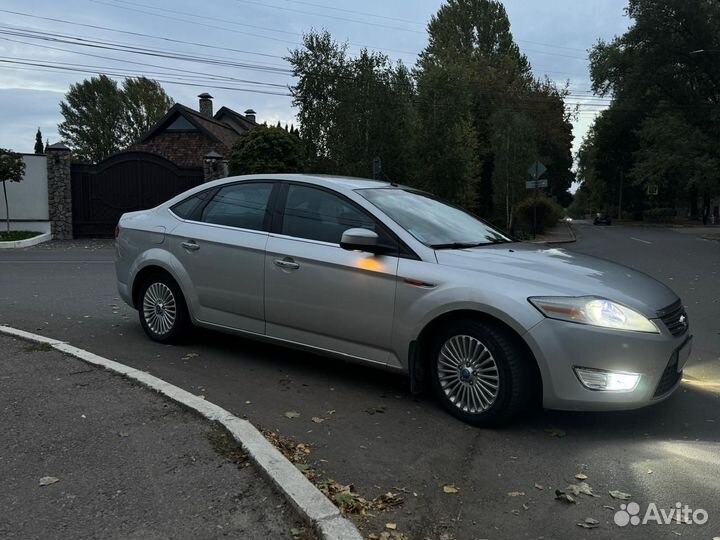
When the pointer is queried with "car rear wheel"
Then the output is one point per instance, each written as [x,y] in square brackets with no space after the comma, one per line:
[479,374]
[162,309]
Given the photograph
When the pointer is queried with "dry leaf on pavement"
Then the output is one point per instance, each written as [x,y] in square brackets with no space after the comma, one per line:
[318,420]
[581,476]
[48,480]
[450,489]
[292,414]
[516,494]
[620,495]
[589,523]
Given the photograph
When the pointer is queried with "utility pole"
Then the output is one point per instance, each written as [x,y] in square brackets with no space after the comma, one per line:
[507,180]
[622,174]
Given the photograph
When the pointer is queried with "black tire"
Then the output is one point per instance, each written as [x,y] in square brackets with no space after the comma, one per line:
[151,289]
[513,369]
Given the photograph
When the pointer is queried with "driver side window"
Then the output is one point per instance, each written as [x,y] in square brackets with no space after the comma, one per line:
[315,214]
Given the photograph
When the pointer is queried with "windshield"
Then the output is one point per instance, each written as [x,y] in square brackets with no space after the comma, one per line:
[431,221]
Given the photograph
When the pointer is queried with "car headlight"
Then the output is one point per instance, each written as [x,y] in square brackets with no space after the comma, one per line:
[594,311]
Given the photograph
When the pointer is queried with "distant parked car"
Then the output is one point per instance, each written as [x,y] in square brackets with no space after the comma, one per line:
[379,273]
[602,219]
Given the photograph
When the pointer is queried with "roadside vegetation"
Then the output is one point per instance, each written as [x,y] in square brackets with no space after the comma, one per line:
[656,149]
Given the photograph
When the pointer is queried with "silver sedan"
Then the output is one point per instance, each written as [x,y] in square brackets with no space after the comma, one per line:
[379,273]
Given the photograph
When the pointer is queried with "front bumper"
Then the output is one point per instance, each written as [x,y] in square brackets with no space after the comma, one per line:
[559,346]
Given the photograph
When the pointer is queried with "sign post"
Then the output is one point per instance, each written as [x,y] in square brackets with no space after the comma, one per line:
[536,170]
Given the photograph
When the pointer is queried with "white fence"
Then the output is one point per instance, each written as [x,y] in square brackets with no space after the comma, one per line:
[28,200]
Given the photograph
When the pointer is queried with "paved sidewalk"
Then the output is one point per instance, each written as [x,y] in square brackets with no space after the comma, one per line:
[119,461]
[562,233]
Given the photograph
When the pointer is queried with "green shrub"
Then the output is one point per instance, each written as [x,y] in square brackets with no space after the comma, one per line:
[659,215]
[548,213]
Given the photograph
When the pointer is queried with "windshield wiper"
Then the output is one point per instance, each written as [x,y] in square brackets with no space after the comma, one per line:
[461,245]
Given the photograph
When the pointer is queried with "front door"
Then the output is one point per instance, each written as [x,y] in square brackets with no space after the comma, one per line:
[317,293]
[222,249]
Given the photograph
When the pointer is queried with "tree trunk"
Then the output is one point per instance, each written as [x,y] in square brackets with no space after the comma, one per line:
[7,208]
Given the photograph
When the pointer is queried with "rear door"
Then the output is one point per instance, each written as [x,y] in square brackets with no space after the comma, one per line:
[317,293]
[221,246]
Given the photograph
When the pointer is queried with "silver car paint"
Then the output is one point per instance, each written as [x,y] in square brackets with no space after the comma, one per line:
[371,308]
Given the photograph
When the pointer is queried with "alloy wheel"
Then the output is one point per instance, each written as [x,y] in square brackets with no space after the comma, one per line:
[159,308]
[468,374]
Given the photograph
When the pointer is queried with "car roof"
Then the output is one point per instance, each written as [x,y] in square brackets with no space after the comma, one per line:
[336,182]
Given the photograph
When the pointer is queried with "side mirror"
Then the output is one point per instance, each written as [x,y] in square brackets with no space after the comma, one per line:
[359,240]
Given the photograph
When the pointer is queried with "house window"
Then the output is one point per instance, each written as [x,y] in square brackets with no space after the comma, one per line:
[181,124]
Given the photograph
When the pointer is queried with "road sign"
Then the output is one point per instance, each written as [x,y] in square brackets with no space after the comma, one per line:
[535,184]
[536,170]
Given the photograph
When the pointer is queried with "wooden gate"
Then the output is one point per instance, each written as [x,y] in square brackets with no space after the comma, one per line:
[122,183]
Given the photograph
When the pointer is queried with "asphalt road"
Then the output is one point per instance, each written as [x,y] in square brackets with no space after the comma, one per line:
[119,461]
[664,454]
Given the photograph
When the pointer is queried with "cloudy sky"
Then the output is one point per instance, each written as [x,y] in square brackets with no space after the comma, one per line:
[234,48]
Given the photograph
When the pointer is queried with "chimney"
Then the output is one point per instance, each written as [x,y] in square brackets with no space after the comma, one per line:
[206,107]
[250,115]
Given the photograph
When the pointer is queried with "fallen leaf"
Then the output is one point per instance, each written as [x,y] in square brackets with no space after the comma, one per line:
[375,409]
[318,420]
[124,434]
[562,496]
[526,506]
[554,432]
[391,526]
[540,487]
[450,489]
[650,471]
[292,414]
[48,480]
[589,523]
[620,495]
[581,476]
[248,402]
[516,494]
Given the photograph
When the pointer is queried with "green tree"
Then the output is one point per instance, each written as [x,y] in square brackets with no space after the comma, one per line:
[266,150]
[663,75]
[320,66]
[101,118]
[12,169]
[144,103]
[39,148]
[93,118]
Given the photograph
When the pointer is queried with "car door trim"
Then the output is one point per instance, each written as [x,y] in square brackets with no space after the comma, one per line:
[298,345]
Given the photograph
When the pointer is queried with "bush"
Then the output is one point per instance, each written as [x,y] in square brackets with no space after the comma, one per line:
[266,150]
[659,215]
[548,213]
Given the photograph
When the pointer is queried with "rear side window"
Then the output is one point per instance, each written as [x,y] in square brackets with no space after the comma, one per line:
[318,215]
[188,208]
[240,205]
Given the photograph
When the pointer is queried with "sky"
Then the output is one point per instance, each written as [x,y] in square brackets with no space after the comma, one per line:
[234,49]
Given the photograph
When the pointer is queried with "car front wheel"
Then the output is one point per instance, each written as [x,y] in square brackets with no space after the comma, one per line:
[162,310]
[479,373]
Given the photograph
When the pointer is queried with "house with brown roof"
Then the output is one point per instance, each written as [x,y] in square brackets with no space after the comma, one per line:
[187,137]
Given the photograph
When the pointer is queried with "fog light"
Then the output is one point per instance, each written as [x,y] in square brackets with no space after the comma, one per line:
[613,381]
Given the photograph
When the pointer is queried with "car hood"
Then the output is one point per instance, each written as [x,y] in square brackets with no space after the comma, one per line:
[544,271]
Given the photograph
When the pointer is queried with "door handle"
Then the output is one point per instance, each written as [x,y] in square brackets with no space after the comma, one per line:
[190,245]
[287,263]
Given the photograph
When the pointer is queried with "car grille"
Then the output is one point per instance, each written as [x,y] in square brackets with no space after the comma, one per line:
[669,378]
[675,318]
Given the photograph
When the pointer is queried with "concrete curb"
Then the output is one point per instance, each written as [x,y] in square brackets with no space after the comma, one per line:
[35,240]
[573,238]
[309,501]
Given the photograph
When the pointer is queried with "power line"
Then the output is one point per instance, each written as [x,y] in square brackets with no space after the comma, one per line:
[173,71]
[113,72]
[140,34]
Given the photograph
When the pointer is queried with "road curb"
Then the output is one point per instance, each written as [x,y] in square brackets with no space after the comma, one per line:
[319,512]
[28,242]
